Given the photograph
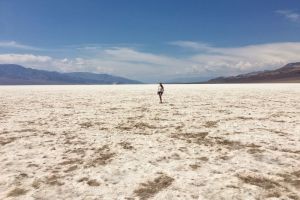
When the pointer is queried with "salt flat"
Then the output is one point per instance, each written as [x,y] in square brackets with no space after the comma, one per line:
[118,142]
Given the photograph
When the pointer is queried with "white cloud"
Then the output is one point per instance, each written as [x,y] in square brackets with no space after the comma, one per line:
[132,63]
[290,15]
[229,60]
[246,58]
[207,61]
[16,45]
[23,58]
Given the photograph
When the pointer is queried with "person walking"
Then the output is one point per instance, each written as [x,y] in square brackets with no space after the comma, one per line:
[160,91]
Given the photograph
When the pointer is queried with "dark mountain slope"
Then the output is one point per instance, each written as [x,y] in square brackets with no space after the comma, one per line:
[11,74]
[289,73]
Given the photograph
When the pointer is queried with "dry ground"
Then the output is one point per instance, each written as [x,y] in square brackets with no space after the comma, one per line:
[118,142]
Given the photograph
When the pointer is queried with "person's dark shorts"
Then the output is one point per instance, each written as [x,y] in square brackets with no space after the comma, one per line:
[159,93]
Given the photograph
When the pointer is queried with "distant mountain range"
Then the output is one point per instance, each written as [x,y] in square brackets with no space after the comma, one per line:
[188,79]
[11,74]
[289,73]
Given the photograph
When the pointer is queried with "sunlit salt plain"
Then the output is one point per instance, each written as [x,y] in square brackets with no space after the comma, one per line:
[118,142]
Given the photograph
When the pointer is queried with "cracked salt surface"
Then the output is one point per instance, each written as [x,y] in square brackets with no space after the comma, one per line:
[118,142]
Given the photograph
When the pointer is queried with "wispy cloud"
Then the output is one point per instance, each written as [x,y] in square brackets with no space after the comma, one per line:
[99,46]
[16,45]
[290,15]
[191,45]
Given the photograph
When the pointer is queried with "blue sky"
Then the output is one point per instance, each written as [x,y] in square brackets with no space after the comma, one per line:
[153,40]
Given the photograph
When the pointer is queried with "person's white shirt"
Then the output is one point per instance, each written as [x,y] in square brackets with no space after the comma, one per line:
[160,88]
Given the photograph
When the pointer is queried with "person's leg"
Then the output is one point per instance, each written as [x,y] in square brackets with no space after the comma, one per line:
[160,98]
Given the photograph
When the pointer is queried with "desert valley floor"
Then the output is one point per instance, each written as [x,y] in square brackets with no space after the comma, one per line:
[118,142]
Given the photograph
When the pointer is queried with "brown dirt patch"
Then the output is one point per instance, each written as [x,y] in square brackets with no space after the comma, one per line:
[4,141]
[203,158]
[71,161]
[124,127]
[195,166]
[83,179]
[126,145]
[53,180]
[191,137]
[291,178]
[86,125]
[245,118]
[72,168]
[101,156]
[273,188]
[143,126]
[93,182]
[210,124]
[234,145]
[202,139]
[259,181]
[78,151]
[17,192]
[149,189]
[229,144]
[36,183]
[255,150]
[135,125]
